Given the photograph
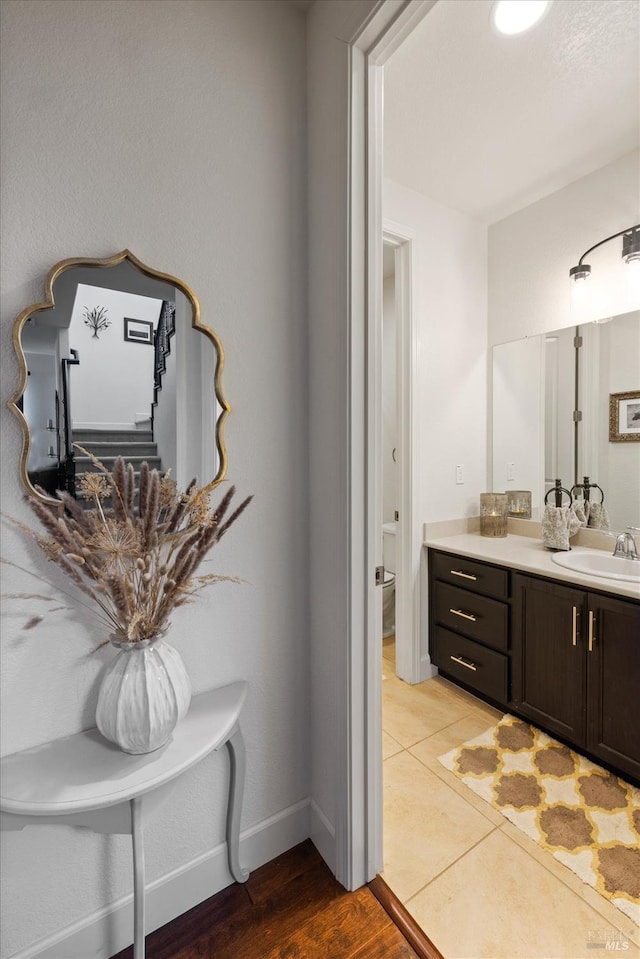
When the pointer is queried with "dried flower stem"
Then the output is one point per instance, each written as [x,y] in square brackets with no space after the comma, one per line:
[134,565]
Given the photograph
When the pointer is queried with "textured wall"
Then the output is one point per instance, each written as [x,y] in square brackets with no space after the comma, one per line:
[450,312]
[176,129]
[532,251]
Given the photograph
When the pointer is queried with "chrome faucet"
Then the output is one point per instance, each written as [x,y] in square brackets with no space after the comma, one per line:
[626,546]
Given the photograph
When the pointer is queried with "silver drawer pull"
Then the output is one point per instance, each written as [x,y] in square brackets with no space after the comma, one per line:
[463,662]
[458,572]
[459,612]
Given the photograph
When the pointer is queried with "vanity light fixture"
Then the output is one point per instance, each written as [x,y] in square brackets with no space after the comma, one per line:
[511,17]
[630,253]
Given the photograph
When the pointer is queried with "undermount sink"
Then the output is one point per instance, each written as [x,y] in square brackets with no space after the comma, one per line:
[595,562]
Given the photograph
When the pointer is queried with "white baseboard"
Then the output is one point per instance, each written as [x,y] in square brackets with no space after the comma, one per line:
[107,931]
[427,669]
[323,836]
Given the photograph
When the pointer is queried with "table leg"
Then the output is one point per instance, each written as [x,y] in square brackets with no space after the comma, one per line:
[235,746]
[138,878]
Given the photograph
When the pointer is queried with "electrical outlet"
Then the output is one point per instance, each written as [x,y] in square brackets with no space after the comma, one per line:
[459,475]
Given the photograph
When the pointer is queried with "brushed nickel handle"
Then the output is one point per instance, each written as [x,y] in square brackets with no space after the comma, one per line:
[592,629]
[458,572]
[575,626]
[463,662]
[459,612]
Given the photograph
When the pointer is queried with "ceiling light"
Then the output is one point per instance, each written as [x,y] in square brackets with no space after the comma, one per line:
[515,16]
[580,272]
[630,254]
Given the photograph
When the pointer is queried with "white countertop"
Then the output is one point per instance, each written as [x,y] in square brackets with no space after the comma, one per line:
[528,555]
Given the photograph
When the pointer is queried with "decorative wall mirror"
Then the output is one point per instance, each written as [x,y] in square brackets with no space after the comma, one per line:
[116,360]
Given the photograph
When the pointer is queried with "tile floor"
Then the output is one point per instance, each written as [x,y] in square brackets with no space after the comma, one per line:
[478,886]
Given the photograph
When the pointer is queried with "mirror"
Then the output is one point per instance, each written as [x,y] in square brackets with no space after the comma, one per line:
[538,382]
[116,360]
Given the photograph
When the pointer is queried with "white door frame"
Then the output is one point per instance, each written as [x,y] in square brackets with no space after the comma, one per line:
[359,804]
[408,540]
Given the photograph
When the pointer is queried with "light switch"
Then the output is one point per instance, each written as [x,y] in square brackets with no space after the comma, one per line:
[459,475]
[511,471]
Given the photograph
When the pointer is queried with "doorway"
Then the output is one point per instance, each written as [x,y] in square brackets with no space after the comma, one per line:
[470,716]
[400,541]
[390,511]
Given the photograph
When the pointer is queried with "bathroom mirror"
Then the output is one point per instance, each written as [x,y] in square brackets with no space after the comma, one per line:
[117,360]
[538,383]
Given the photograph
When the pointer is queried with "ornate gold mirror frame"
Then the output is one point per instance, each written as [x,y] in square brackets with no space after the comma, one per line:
[15,403]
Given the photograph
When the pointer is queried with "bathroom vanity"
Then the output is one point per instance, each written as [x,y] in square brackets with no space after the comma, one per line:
[556,647]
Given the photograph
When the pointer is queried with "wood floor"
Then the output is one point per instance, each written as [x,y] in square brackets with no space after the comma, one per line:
[292,908]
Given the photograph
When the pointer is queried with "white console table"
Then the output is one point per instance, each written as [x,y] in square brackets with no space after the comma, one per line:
[83,780]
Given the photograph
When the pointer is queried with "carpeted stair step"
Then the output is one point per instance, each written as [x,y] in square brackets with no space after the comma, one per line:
[88,437]
[112,449]
[83,464]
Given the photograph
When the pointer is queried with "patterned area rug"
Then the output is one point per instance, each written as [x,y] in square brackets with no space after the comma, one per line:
[583,815]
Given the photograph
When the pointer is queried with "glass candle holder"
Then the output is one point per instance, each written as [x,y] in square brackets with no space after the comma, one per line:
[519,503]
[494,510]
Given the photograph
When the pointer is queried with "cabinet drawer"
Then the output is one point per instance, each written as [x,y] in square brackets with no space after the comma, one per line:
[473,664]
[476,616]
[478,577]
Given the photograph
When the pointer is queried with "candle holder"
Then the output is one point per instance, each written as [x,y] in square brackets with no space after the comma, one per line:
[494,510]
[519,503]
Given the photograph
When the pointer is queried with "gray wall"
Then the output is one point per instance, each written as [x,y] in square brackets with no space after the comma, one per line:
[176,129]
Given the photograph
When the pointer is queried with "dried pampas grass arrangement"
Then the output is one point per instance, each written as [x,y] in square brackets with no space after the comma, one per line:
[135,548]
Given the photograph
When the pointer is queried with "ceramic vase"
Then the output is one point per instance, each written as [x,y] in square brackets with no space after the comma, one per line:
[144,694]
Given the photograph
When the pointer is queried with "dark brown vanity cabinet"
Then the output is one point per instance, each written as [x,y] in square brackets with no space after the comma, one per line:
[576,668]
[549,665]
[565,657]
[469,635]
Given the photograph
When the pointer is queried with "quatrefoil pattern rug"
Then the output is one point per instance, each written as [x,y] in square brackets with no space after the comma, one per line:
[583,815]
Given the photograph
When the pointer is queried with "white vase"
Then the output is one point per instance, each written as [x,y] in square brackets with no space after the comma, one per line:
[145,692]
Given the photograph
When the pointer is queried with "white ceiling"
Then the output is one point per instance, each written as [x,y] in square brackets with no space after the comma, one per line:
[487,124]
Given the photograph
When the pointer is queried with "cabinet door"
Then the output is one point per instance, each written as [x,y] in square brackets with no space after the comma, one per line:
[548,681]
[613,682]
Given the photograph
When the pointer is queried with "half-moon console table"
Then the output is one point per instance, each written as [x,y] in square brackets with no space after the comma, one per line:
[83,780]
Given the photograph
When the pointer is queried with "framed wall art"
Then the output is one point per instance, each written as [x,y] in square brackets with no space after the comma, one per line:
[138,331]
[624,417]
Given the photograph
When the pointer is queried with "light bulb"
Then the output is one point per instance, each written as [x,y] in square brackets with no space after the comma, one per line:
[633,271]
[511,17]
[579,288]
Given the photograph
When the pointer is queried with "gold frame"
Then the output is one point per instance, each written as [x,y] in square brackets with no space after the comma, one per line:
[49,303]
[614,417]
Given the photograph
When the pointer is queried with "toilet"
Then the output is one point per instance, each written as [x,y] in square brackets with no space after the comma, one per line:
[389,582]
